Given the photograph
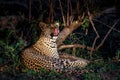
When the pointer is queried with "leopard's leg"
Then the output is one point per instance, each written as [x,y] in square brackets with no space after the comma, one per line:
[68,56]
[77,62]
[35,60]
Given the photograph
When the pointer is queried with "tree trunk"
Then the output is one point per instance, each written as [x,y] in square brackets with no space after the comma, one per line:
[66,31]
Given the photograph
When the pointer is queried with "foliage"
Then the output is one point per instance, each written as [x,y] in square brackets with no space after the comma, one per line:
[117,55]
[91,76]
[85,23]
[13,41]
[10,51]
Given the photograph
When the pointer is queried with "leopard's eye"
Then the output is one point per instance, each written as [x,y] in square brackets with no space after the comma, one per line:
[49,25]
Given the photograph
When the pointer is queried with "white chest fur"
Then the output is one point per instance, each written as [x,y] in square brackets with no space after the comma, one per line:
[47,46]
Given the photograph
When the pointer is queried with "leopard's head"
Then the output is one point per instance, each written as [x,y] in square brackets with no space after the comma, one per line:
[49,30]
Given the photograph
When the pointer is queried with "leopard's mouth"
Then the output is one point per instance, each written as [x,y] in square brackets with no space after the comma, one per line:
[55,32]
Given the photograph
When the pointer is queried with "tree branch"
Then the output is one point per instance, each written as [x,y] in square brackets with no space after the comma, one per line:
[75,46]
[50,18]
[97,35]
[102,42]
[66,31]
[62,13]
[30,10]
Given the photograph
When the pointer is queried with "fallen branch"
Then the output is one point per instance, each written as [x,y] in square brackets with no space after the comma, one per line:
[75,46]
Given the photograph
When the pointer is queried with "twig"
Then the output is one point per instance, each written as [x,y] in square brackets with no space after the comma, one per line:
[118,60]
[71,18]
[93,45]
[75,46]
[50,18]
[102,42]
[68,12]
[71,8]
[62,13]
[11,2]
[78,6]
[81,17]
[106,25]
[30,10]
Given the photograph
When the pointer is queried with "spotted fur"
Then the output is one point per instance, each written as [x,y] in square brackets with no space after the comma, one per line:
[44,53]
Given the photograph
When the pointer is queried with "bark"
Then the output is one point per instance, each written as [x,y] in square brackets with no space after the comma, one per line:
[66,31]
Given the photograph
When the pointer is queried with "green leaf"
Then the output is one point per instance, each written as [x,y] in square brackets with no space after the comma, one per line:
[85,23]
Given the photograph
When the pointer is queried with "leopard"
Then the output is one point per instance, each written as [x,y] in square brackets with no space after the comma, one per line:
[44,53]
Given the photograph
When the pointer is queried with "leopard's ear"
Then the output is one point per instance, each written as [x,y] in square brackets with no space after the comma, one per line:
[42,25]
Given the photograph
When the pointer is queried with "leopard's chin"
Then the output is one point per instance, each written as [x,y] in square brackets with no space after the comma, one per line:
[52,35]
